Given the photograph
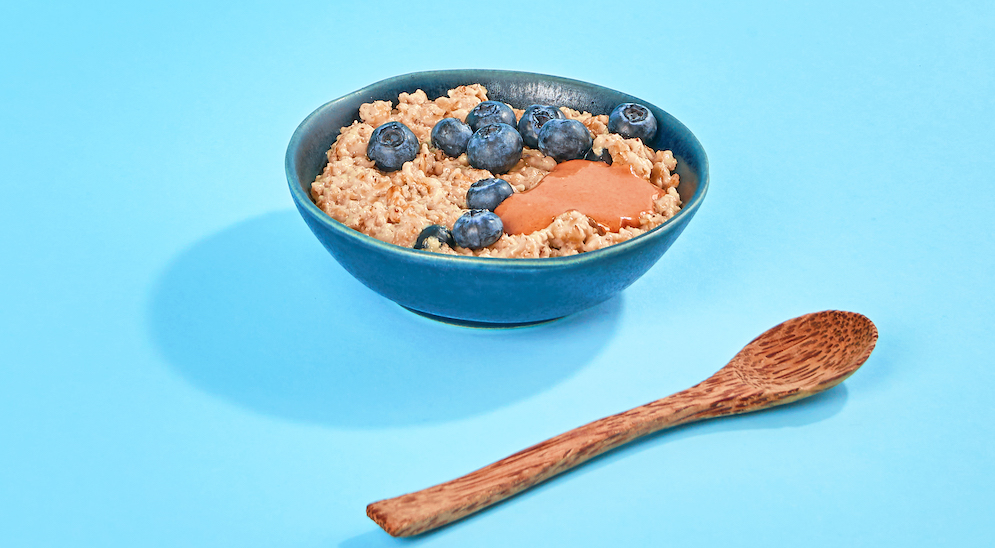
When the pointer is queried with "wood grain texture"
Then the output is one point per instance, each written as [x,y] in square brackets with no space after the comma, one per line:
[791,361]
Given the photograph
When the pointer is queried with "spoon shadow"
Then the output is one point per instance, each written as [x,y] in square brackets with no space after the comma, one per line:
[260,315]
[793,415]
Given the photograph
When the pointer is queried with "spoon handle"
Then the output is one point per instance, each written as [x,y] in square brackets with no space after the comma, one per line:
[436,506]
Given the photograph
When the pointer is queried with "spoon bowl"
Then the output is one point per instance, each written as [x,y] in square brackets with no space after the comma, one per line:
[798,358]
[791,361]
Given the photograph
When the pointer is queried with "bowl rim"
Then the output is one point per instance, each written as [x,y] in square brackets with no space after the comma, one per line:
[306,205]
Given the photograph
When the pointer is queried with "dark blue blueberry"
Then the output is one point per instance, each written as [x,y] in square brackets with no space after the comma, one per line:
[565,140]
[477,229]
[605,156]
[450,135]
[632,120]
[391,145]
[490,112]
[438,232]
[532,120]
[488,193]
[496,148]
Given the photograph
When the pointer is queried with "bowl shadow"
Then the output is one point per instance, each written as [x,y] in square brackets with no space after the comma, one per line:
[259,314]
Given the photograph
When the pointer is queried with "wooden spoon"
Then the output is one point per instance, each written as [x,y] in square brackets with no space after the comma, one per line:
[791,361]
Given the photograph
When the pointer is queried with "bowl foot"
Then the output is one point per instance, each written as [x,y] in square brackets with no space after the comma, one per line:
[480,325]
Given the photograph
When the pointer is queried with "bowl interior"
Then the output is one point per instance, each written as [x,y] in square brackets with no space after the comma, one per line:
[306,153]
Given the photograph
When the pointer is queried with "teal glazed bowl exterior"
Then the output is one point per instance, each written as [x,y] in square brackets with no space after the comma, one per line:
[489,291]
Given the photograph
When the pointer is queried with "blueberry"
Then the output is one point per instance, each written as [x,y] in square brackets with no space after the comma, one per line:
[391,145]
[477,228]
[438,232]
[496,148]
[532,120]
[488,193]
[565,140]
[632,120]
[490,112]
[450,135]
[605,156]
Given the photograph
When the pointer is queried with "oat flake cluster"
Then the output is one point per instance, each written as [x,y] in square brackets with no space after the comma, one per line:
[431,189]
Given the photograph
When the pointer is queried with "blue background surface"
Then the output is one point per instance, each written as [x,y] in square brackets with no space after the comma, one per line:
[182,364]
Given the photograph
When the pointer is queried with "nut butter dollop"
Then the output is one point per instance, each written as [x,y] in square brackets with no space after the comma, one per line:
[611,195]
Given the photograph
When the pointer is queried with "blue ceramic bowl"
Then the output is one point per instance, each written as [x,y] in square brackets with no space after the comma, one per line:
[487,291]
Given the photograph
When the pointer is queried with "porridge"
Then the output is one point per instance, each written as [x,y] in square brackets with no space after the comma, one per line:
[394,198]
